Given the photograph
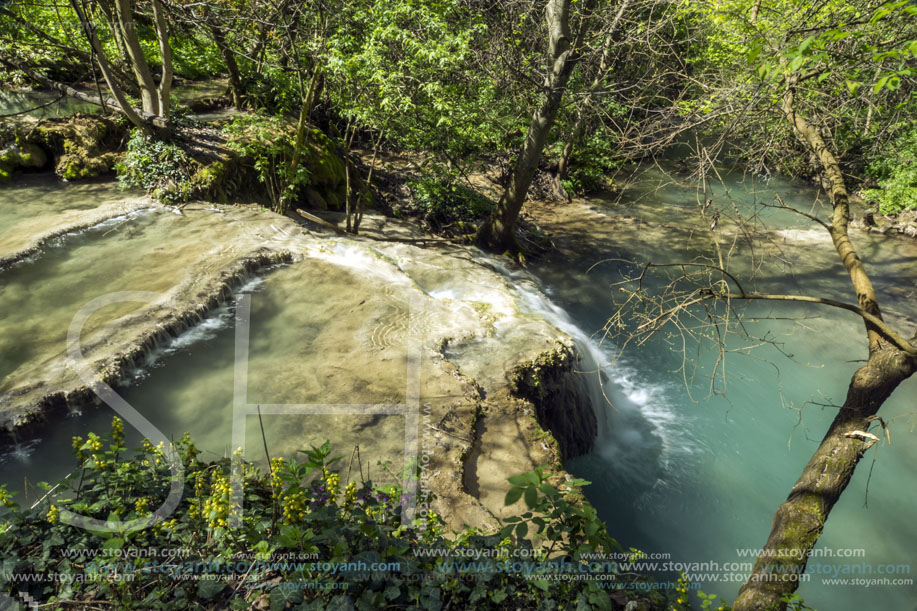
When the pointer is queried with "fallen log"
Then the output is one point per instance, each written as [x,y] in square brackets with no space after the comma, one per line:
[105,102]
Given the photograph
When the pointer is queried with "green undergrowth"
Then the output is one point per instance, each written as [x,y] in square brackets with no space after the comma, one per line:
[896,173]
[160,168]
[269,142]
[446,206]
[592,164]
[308,537]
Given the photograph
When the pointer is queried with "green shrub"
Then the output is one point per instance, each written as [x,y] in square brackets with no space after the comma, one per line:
[159,168]
[446,206]
[195,58]
[590,164]
[897,176]
[269,143]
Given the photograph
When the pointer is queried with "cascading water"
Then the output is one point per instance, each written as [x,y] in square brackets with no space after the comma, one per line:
[637,429]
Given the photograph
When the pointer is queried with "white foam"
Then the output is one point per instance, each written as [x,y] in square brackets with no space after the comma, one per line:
[638,415]
[20,452]
[804,235]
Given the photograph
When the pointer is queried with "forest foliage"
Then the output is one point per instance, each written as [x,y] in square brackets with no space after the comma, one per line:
[457,81]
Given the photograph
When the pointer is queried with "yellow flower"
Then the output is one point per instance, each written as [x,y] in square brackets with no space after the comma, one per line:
[53,514]
[6,499]
[78,448]
[117,429]
[277,465]
[94,444]
[216,507]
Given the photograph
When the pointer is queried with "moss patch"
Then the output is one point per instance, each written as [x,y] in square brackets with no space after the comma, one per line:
[80,146]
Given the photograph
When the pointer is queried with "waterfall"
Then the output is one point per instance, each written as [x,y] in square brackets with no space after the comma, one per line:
[644,442]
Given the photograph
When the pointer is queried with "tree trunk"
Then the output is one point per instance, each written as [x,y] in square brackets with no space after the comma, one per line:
[799,522]
[147,123]
[109,11]
[124,22]
[232,67]
[165,50]
[563,166]
[132,115]
[497,231]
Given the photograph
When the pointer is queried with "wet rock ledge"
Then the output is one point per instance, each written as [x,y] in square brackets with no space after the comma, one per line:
[560,398]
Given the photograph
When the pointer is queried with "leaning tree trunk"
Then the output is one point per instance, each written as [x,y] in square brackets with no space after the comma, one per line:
[579,126]
[130,112]
[800,520]
[497,231]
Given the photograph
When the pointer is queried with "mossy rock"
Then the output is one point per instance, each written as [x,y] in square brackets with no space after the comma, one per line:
[32,156]
[74,166]
[9,158]
[326,167]
[210,180]
[82,146]
[335,201]
[28,156]
[315,199]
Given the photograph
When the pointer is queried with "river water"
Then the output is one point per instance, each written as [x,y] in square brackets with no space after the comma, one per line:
[696,475]
[677,469]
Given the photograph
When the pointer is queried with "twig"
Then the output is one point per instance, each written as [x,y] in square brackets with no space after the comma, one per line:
[22,112]
[430,426]
[356,452]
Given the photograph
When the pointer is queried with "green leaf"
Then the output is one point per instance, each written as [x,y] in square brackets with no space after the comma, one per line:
[286,594]
[209,586]
[513,495]
[523,479]
[392,592]
[498,596]
[531,497]
[522,529]
[753,52]
[341,602]
[805,44]
[113,543]
[600,600]
[880,84]
[541,584]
